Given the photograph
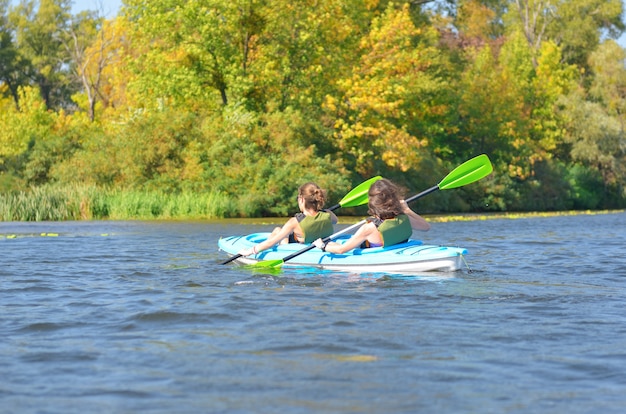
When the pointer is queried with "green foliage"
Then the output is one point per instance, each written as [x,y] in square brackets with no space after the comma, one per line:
[34,140]
[41,35]
[261,162]
[580,24]
[588,191]
[124,205]
[608,86]
[174,105]
[38,204]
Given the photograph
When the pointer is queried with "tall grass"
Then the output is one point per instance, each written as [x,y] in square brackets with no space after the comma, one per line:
[78,202]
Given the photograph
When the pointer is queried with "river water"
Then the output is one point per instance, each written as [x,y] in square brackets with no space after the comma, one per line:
[129,317]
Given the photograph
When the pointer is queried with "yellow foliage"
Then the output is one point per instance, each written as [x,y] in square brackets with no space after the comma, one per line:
[475,19]
[31,121]
[401,150]
[192,169]
[380,95]
[106,67]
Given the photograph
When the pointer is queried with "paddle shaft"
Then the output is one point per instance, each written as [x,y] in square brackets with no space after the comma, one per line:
[422,194]
[326,240]
[470,171]
[362,222]
[355,226]
[237,256]
[484,162]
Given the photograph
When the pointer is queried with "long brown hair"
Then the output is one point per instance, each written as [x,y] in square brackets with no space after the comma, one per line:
[313,196]
[384,199]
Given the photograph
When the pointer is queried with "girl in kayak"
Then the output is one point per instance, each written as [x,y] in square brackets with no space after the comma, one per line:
[392,221]
[311,223]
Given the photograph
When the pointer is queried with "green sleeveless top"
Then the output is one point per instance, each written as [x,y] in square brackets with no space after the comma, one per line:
[395,230]
[316,227]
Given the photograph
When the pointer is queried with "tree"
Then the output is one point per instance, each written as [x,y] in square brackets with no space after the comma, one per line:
[609,79]
[12,65]
[579,26]
[304,51]
[193,49]
[40,33]
[575,25]
[477,20]
[595,137]
[491,104]
[88,59]
[596,126]
[389,104]
[23,126]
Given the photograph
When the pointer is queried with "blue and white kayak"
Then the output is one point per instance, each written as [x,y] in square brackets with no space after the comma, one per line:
[410,257]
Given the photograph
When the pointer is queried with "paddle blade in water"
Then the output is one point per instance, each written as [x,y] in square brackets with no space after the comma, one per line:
[267,263]
[265,270]
[356,197]
[467,173]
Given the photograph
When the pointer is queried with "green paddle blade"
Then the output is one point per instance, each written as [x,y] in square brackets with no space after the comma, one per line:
[358,195]
[267,263]
[467,173]
[274,269]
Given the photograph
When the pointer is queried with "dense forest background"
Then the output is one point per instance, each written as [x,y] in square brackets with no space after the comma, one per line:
[244,100]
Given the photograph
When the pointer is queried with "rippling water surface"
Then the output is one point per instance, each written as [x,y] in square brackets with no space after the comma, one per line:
[104,317]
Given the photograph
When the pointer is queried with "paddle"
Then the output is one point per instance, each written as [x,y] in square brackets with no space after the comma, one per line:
[356,197]
[468,172]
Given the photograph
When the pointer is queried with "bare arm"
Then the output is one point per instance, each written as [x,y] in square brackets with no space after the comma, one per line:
[417,221]
[285,231]
[355,241]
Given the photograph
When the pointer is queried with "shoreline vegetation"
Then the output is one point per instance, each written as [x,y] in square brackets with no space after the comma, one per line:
[80,202]
[84,202]
[171,99]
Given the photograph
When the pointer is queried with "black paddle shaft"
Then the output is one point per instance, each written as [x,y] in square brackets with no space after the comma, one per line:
[237,256]
[422,194]
[329,238]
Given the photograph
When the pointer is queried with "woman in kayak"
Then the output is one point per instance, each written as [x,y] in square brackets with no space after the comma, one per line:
[392,221]
[311,223]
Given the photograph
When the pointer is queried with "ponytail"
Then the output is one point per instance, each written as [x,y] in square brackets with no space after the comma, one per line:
[314,197]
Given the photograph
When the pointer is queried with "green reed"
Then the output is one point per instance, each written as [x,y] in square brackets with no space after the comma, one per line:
[82,202]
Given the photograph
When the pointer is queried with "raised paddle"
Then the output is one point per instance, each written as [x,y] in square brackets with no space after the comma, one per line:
[356,197]
[468,172]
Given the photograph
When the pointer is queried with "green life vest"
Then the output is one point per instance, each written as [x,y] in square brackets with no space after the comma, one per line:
[317,226]
[395,230]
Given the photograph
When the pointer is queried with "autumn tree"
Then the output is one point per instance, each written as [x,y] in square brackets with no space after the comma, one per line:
[390,103]
[88,62]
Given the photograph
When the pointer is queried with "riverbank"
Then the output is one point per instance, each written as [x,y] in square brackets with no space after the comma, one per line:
[84,202]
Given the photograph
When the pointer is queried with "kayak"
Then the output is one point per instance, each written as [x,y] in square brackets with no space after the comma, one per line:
[410,257]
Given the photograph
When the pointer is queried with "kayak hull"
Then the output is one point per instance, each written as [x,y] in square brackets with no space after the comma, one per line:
[410,257]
